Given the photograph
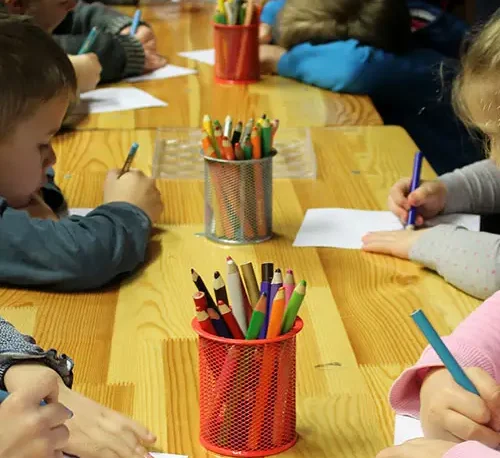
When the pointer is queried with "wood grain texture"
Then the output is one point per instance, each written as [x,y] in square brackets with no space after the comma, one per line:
[190,97]
[133,343]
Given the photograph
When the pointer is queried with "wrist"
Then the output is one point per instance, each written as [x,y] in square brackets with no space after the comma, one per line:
[17,373]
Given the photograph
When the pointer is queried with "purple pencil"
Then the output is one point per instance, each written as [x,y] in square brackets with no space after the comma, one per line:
[415,183]
[276,284]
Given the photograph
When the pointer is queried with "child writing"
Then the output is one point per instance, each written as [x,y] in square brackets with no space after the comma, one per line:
[367,47]
[468,260]
[75,253]
[70,422]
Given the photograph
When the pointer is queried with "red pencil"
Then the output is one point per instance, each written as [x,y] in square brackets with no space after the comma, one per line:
[200,301]
[228,317]
[205,323]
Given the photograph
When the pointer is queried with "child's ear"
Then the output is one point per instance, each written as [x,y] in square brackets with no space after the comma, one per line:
[15,6]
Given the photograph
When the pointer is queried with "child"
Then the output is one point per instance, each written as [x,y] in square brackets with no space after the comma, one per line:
[74,253]
[120,54]
[448,413]
[468,260]
[31,375]
[365,47]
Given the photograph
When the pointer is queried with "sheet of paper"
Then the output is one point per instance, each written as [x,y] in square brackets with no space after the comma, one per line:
[344,228]
[406,428]
[116,99]
[169,71]
[79,211]
[207,56]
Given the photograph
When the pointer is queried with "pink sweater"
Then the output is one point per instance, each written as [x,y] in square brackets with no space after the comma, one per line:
[474,343]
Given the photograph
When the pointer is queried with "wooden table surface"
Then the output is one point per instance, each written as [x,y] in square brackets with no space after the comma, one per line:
[190,97]
[133,345]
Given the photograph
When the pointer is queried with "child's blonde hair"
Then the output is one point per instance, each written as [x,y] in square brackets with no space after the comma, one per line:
[384,24]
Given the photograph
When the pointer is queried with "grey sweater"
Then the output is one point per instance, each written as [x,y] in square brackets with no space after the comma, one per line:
[468,260]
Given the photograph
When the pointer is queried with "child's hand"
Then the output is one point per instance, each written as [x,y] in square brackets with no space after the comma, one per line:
[28,429]
[429,198]
[265,33]
[146,36]
[449,412]
[269,57]
[88,71]
[418,448]
[134,188]
[395,243]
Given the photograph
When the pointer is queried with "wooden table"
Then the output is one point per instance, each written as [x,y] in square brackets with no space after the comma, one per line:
[190,97]
[133,345]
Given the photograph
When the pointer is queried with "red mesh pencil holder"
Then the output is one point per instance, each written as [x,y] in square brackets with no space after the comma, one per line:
[247,393]
[236,53]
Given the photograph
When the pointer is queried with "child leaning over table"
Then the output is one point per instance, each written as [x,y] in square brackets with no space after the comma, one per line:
[31,375]
[73,253]
[70,21]
[367,47]
[468,260]
[456,423]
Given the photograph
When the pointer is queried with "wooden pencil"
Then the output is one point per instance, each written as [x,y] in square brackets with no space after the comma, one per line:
[219,324]
[205,322]
[230,320]
[276,318]
[220,288]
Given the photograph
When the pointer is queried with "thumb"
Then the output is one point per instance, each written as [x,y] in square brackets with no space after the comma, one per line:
[113,174]
[489,390]
[420,196]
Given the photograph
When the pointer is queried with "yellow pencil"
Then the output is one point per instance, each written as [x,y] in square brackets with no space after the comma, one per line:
[207,123]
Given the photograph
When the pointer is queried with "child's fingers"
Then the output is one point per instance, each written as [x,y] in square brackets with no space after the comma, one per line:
[467,430]
[466,404]
[421,195]
[144,435]
[489,391]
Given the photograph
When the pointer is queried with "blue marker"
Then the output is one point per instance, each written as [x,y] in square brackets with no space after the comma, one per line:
[135,22]
[130,158]
[89,41]
[442,351]
[415,183]
[4,395]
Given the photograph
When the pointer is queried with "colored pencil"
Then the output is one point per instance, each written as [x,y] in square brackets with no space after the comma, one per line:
[219,324]
[200,285]
[246,301]
[129,159]
[237,133]
[207,126]
[442,351]
[293,307]
[250,283]
[205,322]
[135,22]
[227,149]
[238,152]
[220,289]
[235,292]
[415,183]
[289,284]
[200,301]
[256,143]
[258,318]
[231,323]
[89,41]
[276,284]
[267,271]
[266,138]
[228,127]
[276,317]
[246,146]
[218,141]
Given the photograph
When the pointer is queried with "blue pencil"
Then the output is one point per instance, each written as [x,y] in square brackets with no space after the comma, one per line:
[130,158]
[444,354]
[89,41]
[4,395]
[415,183]
[135,22]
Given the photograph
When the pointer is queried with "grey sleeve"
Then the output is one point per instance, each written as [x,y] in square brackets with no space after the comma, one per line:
[466,259]
[17,348]
[473,189]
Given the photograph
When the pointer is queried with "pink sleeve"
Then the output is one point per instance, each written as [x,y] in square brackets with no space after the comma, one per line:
[474,343]
[471,449]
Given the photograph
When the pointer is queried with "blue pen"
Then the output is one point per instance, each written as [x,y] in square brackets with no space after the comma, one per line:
[89,41]
[415,183]
[441,349]
[135,22]
[130,158]
[4,395]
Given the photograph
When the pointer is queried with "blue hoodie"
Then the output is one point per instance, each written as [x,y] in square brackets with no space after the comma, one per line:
[412,90]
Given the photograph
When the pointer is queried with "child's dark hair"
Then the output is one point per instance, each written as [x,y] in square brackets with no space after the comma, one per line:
[384,24]
[33,69]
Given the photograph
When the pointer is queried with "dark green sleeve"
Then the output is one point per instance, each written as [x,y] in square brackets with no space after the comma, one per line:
[119,55]
[76,253]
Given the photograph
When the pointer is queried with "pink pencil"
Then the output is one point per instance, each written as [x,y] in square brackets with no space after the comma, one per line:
[288,284]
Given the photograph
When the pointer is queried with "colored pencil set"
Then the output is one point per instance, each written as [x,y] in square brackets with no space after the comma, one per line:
[236,12]
[247,387]
[252,140]
[255,312]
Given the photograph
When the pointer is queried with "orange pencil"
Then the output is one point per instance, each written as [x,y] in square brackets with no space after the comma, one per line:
[205,323]
[210,152]
[276,318]
[227,149]
[218,140]
[256,146]
[206,142]
[228,317]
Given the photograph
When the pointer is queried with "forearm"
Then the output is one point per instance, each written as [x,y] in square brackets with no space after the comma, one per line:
[471,449]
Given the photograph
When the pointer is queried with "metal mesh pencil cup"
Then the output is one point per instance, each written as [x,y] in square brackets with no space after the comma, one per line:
[239,200]
[247,393]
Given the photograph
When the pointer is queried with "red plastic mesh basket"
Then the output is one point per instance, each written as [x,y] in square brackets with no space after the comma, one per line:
[247,393]
[236,53]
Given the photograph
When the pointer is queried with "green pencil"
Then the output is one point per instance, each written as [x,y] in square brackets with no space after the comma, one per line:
[258,318]
[220,17]
[292,309]
[267,141]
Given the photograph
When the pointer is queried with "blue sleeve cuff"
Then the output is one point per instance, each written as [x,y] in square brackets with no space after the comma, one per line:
[271,10]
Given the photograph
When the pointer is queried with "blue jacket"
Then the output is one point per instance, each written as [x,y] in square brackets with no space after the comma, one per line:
[412,90]
[75,253]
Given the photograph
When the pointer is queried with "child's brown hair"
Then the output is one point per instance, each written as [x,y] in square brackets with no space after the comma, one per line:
[33,69]
[384,24]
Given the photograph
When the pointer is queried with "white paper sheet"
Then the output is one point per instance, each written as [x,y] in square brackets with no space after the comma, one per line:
[169,71]
[79,211]
[406,428]
[344,228]
[116,99]
[207,56]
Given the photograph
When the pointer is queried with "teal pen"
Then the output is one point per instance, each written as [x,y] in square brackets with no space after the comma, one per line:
[89,41]
[130,158]
[135,22]
[442,351]
[4,395]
